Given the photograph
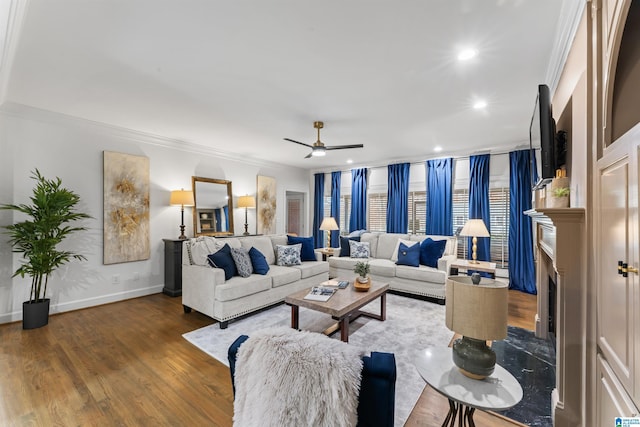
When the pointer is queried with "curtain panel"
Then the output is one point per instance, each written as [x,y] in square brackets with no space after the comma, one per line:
[318,210]
[440,197]
[335,206]
[522,273]
[479,202]
[398,198]
[358,220]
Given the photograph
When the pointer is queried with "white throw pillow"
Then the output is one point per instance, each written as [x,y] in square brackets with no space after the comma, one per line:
[359,249]
[408,243]
[289,254]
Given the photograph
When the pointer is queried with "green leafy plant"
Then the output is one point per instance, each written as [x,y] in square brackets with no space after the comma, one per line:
[561,192]
[51,210]
[362,268]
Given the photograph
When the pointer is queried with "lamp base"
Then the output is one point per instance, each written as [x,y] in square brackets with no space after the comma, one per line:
[182,236]
[473,357]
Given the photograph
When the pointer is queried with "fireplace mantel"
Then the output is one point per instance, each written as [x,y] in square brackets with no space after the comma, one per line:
[560,249]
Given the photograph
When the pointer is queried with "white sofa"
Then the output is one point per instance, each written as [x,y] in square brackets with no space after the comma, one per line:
[205,289]
[423,280]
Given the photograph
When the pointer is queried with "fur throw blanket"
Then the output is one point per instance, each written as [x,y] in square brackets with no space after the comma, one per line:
[285,377]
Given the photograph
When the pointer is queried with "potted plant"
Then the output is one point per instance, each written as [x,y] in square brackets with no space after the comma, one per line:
[362,269]
[37,238]
[560,197]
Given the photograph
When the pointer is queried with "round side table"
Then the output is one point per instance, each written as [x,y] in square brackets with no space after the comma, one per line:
[498,392]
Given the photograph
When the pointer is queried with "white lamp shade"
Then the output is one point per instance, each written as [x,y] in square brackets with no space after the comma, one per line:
[182,198]
[329,224]
[477,311]
[246,202]
[475,228]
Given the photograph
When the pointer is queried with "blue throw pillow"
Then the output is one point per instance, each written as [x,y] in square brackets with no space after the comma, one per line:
[258,261]
[223,259]
[431,251]
[308,252]
[344,245]
[409,255]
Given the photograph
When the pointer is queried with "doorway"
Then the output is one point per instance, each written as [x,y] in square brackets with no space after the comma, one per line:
[294,221]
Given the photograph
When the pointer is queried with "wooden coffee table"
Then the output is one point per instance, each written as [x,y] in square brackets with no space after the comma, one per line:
[343,306]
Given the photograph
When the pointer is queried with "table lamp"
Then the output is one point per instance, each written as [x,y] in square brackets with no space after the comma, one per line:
[246,202]
[474,228]
[329,224]
[181,198]
[478,313]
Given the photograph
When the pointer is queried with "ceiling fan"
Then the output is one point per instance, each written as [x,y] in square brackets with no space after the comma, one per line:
[318,148]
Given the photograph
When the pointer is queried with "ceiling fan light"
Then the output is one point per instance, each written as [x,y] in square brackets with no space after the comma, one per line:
[318,152]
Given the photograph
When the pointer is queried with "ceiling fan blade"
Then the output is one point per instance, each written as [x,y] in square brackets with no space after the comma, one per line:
[308,155]
[298,142]
[342,147]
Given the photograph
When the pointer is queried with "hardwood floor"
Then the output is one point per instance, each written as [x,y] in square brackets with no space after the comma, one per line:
[127,364]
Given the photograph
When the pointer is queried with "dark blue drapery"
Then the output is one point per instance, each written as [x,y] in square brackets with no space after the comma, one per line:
[318,210]
[522,273]
[398,198]
[225,209]
[479,201]
[335,206]
[440,197]
[218,215]
[358,220]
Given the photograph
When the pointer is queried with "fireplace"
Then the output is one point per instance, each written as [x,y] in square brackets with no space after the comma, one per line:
[553,297]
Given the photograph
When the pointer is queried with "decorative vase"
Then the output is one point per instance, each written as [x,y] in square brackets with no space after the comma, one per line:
[363,279]
[475,278]
[558,202]
[35,314]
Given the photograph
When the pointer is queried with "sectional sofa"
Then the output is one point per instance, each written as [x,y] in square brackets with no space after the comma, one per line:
[206,290]
[422,280]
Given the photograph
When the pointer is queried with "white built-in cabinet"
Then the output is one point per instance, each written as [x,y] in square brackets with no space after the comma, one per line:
[617,231]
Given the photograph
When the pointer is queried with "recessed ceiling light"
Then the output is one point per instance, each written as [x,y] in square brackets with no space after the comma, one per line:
[466,54]
[478,105]
[437,148]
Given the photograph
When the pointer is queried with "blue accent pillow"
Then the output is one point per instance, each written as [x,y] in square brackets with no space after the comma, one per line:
[308,252]
[409,255]
[431,251]
[223,259]
[344,245]
[258,261]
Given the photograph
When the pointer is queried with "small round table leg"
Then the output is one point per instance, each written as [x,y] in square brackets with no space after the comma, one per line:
[451,415]
[469,416]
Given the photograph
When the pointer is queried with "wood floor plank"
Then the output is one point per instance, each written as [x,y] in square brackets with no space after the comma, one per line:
[127,364]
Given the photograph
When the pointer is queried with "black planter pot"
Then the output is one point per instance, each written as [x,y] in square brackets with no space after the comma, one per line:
[35,314]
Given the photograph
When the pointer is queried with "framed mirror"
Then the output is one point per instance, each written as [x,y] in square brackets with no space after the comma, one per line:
[213,210]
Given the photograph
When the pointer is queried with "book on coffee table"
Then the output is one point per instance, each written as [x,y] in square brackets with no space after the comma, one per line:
[320,293]
[335,283]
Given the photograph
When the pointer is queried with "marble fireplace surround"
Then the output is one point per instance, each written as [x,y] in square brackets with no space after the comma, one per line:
[561,253]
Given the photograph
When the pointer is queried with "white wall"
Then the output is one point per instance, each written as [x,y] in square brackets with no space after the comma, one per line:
[72,149]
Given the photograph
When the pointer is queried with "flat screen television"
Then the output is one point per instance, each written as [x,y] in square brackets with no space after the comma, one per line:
[542,136]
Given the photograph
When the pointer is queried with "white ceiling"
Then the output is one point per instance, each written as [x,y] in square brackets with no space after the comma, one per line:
[238,76]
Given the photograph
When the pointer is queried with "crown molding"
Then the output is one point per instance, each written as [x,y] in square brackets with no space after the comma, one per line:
[570,15]
[47,116]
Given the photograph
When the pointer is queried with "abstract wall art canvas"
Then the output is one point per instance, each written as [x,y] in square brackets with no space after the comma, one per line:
[266,205]
[126,208]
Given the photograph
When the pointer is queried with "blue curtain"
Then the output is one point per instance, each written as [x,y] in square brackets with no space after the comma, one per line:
[439,197]
[479,201]
[318,210]
[225,209]
[358,220]
[218,214]
[398,198]
[335,206]
[522,273]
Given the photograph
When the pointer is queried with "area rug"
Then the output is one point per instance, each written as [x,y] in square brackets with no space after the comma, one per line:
[411,326]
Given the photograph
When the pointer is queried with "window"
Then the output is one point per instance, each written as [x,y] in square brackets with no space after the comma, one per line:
[460,217]
[377,207]
[417,212]
[345,212]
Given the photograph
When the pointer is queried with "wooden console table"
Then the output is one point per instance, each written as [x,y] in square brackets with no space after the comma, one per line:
[172,267]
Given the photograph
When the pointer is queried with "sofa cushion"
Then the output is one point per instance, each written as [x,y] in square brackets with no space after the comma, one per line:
[307,252]
[347,263]
[238,287]
[431,251]
[312,268]
[387,244]
[261,243]
[283,275]
[372,239]
[407,243]
[223,259]
[382,267]
[421,273]
[358,249]
[258,261]
[287,255]
[233,242]
[278,239]
[243,261]
[409,255]
[345,248]
[198,249]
